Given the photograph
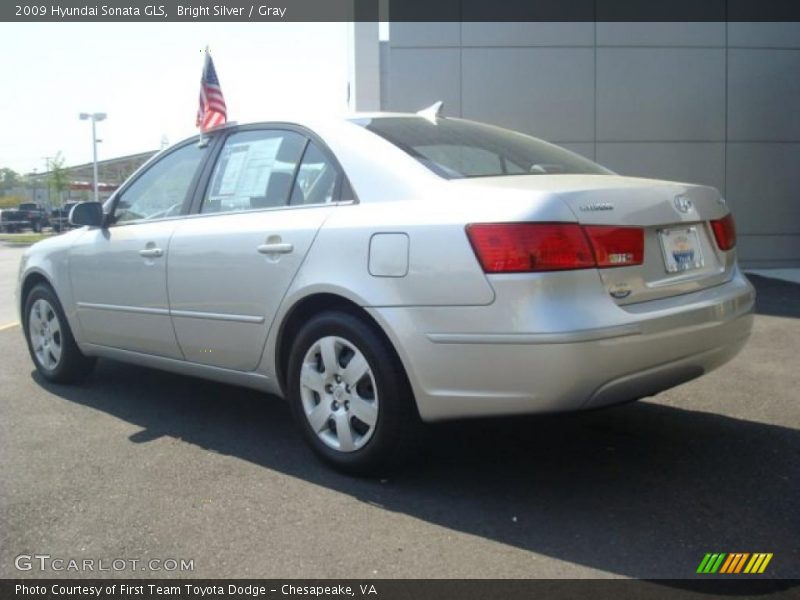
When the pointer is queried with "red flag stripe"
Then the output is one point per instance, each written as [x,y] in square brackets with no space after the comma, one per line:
[211,111]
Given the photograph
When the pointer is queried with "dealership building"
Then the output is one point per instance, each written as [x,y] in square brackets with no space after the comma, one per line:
[702,102]
[111,173]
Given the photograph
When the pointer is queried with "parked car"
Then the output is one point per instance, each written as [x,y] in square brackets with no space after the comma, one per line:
[35,214]
[387,270]
[28,215]
[13,221]
[59,217]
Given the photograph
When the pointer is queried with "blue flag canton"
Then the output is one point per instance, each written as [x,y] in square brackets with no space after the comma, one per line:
[210,75]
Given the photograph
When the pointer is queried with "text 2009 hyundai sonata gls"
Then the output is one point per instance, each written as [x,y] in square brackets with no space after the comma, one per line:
[389,269]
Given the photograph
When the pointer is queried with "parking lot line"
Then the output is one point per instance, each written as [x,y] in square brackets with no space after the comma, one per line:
[8,325]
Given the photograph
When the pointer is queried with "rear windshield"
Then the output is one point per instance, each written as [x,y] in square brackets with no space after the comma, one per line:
[457,149]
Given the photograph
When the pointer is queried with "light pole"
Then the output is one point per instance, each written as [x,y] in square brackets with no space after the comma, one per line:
[95,117]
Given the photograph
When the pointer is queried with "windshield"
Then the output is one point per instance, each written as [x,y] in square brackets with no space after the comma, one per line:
[456,149]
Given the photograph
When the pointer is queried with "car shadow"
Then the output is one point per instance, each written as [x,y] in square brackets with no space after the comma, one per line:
[776,297]
[643,490]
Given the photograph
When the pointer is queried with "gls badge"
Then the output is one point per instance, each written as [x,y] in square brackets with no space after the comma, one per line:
[683,203]
[596,206]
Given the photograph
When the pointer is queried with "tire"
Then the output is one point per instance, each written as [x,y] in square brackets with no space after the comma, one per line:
[364,415]
[50,342]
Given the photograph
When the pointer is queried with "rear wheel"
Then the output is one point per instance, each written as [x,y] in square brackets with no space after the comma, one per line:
[350,396]
[50,342]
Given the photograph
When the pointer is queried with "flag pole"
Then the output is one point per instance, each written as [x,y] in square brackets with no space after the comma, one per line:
[202,141]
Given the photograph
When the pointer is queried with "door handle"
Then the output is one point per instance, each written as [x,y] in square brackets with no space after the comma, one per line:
[276,248]
[151,252]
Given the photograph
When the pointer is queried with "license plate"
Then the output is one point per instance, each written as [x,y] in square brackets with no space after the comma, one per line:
[681,248]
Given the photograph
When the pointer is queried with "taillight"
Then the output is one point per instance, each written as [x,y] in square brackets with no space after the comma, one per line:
[527,247]
[520,247]
[725,232]
[616,246]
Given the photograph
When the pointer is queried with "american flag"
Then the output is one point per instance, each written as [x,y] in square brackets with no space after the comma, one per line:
[211,111]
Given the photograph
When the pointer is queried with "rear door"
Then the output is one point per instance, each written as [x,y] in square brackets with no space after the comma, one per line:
[232,262]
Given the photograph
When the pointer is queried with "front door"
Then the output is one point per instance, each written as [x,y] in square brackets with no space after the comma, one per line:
[119,273]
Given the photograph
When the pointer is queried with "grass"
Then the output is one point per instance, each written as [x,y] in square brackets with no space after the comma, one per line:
[23,239]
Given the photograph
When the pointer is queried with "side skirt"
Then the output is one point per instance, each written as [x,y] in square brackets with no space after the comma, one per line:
[256,381]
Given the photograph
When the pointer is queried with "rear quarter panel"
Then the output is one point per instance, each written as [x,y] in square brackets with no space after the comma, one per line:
[442,270]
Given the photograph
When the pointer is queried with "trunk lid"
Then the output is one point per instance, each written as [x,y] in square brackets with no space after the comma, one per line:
[680,251]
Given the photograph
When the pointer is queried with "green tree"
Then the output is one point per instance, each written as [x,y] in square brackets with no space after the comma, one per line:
[9,179]
[57,180]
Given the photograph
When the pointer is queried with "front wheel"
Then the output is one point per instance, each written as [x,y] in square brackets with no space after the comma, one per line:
[50,342]
[350,396]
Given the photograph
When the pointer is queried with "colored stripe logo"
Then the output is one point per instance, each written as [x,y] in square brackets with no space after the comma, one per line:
[734,563]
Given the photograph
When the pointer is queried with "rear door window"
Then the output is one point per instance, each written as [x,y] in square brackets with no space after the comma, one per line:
[255,170]
[318,178]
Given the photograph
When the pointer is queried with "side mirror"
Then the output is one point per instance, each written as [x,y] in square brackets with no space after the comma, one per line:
[86,213]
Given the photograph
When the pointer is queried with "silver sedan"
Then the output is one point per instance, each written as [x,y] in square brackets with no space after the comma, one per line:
[385,270]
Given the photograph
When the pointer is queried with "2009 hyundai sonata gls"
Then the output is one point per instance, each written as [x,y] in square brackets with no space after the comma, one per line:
[387,269]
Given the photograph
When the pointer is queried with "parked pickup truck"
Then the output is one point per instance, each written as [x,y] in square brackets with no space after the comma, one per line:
[27,215]
[35,214]
[12,220]
[59,217]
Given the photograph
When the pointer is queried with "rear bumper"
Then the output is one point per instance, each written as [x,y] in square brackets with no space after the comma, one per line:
[490,365]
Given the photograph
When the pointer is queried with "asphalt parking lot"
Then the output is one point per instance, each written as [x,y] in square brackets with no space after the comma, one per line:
[9,266]
[139,464]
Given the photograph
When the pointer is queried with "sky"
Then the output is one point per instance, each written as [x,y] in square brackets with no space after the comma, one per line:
[146,77]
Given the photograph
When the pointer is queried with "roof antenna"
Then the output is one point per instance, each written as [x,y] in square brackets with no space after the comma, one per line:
[432,112]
